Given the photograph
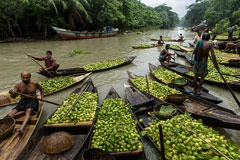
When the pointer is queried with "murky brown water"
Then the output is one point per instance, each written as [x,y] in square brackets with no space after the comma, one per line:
[13,62]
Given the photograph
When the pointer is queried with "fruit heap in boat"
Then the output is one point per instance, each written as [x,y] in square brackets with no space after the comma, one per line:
[83,110]
[168,76]
[173,46]
[104,64]
[144,45]
[157,89]
[181,143]
[54,84]
[115,130]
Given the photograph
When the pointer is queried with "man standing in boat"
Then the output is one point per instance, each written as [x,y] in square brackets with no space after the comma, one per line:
[201,53]
[26,89]
[50,62]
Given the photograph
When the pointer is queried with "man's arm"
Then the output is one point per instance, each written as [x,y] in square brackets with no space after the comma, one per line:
[37,58]
[39,87]
[213,56]
[12,92]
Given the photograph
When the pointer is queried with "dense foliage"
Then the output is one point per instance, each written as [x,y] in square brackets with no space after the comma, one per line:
[34,18]
[219,14]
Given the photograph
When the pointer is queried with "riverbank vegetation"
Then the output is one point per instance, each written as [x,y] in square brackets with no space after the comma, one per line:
[219,14]
[34,18]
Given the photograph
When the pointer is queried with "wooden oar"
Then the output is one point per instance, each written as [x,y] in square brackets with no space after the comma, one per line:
[161,142]
[39,64]
[234,96]
[147,84]
[38,98]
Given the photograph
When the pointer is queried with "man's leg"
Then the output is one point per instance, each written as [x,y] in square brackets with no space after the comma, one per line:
[201,81]
[12,113]
[195,83]
[26,119]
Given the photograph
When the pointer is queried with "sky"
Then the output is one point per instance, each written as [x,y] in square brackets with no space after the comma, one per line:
[178,6]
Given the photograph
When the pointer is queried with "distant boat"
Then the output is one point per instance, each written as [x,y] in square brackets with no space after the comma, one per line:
[67,34]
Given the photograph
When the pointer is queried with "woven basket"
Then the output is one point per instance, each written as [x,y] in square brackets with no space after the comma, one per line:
[58,142]
[176,98]
[7,126]
[96,154]
[157,108]
[179,85]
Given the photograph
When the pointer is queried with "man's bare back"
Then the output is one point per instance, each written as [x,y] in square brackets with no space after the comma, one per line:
[207,46]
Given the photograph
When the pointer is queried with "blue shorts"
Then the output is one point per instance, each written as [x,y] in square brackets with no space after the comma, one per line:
[162,58]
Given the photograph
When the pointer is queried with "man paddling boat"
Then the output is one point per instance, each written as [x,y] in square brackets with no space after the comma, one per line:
[26,104]
[201,53]
[160,41]
[50,62]
[180,37]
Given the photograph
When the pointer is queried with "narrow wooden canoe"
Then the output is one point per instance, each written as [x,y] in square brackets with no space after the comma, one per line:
[81,71]
[138,47]
[180,54]
[185,49]
[231,64]
[138,154]
[175,49]
[187,89]
[10,101]
[183,70]
[168,40]
[68,35]
[210,113]
[191,45]
[86,87]
[33,149]
[12,146]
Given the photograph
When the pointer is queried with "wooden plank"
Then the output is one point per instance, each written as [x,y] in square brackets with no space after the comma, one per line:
[79,124]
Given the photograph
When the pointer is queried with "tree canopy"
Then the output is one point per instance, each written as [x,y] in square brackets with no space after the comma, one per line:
[219,14]
[35,17]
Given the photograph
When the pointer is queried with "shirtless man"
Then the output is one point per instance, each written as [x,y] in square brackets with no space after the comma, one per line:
[165,55]
[50,62]
[201,53]
[26,104]
[160,41]
[180,37]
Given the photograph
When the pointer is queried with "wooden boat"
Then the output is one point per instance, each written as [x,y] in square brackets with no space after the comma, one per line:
[189,59]
[187,89]
[183,70]
[12,146]
[33,149]
[80,71]
[185,49]
[138,154]
[68,35]
[86,87]
[221,39]
[10,101]
[232,63]
[138,47]
[210,113]
[191,45]
[175,49]
[168,40]
[180,54]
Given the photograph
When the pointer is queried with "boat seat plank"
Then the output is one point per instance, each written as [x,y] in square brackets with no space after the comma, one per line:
[194,107]
[182,70]
[38,153]
[225,116]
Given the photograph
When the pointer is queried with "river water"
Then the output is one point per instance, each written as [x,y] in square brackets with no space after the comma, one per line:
[13,62]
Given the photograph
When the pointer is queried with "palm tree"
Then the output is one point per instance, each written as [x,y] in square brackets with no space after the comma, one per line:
[76,10]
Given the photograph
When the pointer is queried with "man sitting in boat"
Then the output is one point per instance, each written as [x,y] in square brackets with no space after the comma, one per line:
[160,41]
[26,89]
[50,62]
[201,53]
[165,55]
[180,37]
